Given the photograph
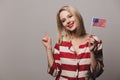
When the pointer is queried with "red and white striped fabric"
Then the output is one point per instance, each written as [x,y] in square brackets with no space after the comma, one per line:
[69,66]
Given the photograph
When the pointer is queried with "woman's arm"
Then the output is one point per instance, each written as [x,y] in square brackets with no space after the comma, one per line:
[48,46]
[53,58]
[96,56]
[92,45]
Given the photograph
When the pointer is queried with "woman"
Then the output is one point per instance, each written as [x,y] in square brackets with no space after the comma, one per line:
[76,55]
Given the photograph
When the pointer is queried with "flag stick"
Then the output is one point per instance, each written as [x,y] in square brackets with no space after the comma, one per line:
[91,29]
[91,26]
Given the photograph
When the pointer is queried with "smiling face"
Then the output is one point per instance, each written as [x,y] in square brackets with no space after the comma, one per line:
[68,20]
[69,23]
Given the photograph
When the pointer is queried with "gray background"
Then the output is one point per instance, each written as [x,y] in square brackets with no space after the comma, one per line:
[23,23]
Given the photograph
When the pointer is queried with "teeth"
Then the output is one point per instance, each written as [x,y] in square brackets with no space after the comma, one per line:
[70,25]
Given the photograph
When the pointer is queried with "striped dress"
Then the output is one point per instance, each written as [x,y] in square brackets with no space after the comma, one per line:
[71,66]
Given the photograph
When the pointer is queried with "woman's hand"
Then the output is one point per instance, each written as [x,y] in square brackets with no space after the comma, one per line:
[47,41]
[93,45]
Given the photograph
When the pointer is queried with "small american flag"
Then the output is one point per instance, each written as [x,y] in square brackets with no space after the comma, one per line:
[99,22]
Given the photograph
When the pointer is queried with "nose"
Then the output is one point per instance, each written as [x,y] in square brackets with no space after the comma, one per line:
[68,21]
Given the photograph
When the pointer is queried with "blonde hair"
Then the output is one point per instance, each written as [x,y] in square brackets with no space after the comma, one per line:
[80,25]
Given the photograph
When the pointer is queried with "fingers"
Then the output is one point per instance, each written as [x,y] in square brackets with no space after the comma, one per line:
[46,34]
[45,38]
[93,44]
[93,41]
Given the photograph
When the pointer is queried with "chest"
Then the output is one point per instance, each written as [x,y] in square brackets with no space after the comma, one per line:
[69,56]
[74,49]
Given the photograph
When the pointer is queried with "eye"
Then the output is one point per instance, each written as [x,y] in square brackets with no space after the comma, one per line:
[69,16]
[63,20]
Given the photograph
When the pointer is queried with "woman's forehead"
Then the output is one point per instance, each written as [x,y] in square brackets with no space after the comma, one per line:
[64,13]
